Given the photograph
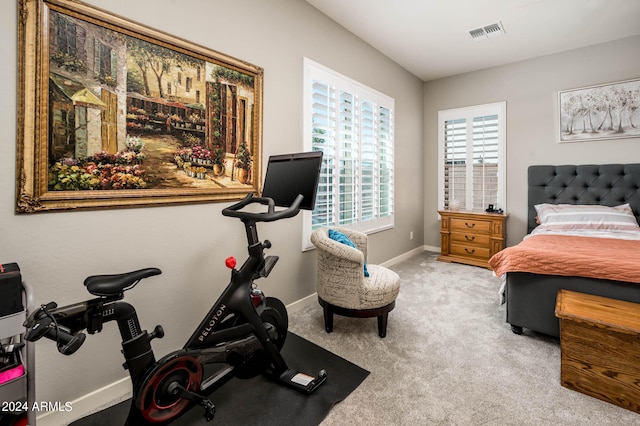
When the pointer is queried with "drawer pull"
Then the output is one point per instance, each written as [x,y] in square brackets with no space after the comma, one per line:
[466,237]
[469,226]
[469,252]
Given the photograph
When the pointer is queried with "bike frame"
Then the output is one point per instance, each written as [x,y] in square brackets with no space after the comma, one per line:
[205,342]
[233,333]
[234,300]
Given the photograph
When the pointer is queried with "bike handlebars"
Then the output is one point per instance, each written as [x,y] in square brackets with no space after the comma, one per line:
[270,215]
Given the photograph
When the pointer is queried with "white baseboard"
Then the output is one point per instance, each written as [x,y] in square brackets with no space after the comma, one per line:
[88,404]
[432,248]
[301,304]
[121,390]
[408,254]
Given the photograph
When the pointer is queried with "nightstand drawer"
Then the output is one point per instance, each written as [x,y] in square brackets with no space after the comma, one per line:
[469,238]
[470,251]
[471,225]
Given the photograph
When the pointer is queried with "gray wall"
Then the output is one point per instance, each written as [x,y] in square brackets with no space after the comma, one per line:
[56,251]
[530,89]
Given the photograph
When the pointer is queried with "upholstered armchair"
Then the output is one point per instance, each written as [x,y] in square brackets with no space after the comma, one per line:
[343,288]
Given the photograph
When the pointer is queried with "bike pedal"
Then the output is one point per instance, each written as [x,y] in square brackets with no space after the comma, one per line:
[176,388]
[209,409]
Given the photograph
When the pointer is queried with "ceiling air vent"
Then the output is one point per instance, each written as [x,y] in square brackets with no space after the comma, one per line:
[478,34]
[487,31]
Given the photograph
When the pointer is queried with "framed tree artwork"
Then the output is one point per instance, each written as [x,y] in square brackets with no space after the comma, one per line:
[605,111]
[112,113]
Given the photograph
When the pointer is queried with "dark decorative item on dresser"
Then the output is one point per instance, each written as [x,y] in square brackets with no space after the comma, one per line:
[471,237]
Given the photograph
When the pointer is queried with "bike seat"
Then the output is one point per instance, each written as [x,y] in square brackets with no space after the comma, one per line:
[112,285]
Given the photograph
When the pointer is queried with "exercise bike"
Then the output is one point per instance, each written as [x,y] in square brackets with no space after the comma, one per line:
[241,335]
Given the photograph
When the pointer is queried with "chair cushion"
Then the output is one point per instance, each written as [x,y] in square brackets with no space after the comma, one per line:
[380,289]
[341,238]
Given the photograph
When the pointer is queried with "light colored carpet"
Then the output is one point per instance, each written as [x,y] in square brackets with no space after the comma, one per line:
[449,358]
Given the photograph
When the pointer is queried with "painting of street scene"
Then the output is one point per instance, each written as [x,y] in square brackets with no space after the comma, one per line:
[607,111]
[126,113]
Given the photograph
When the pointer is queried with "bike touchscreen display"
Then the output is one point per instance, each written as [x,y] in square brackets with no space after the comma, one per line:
[291,174]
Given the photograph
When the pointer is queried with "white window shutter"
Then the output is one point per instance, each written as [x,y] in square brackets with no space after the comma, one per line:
[471,157]
[353,126]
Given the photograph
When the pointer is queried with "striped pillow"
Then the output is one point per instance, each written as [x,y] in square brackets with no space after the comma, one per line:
[564,217]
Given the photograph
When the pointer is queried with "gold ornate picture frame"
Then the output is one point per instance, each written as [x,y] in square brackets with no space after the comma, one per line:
[112,113]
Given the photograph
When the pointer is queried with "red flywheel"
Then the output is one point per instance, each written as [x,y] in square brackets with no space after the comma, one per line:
[155,402]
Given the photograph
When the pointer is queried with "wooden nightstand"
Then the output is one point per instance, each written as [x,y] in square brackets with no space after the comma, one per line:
[471,237]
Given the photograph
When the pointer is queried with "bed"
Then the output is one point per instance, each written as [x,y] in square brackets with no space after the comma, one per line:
[530,297]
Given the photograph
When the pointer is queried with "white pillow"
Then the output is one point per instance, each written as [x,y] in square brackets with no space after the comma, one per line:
[564,217]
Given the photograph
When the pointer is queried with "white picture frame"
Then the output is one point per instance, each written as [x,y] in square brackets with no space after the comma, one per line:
[600,112]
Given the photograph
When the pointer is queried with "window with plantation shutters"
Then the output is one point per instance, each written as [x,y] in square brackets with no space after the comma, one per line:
[471,147]
[353,127]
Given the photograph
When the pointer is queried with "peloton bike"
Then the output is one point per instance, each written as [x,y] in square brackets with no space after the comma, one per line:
[241,335]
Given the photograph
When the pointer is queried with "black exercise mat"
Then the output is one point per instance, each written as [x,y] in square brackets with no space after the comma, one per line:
[259,401]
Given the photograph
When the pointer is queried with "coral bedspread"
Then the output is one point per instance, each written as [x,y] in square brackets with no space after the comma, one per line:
[566,255]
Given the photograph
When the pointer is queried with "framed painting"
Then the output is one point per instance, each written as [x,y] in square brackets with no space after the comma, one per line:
[605,111]
[112,113]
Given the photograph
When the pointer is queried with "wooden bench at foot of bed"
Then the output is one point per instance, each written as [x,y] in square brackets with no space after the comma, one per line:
[600,346]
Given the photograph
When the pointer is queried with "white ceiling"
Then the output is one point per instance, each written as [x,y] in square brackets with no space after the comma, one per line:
[430,38]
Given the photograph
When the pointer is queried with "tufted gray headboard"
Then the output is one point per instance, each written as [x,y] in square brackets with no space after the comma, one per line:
[606,184]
